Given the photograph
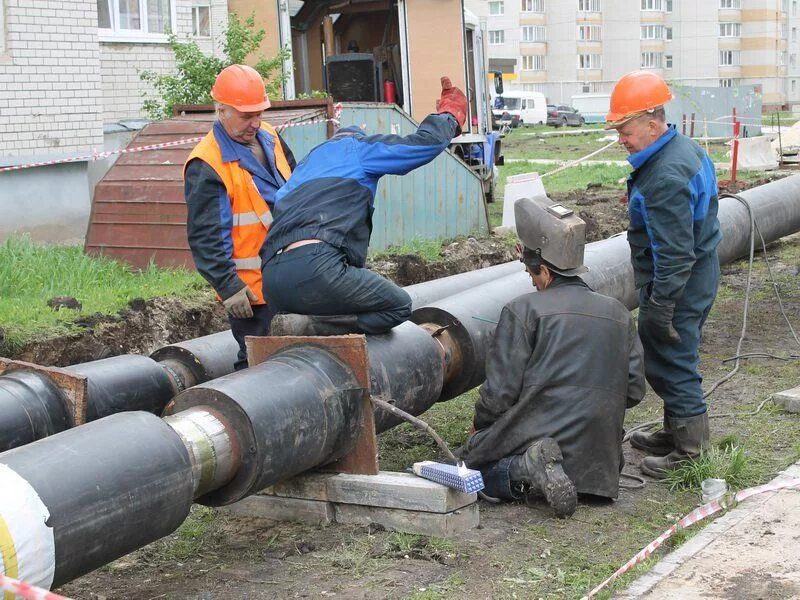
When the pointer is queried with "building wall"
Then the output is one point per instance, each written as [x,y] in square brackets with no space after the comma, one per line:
[121,62]
[49,78]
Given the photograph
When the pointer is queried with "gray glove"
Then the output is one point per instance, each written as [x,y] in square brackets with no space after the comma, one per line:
[656,319]
[238,305]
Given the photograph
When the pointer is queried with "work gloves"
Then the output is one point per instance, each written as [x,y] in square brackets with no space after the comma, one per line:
[454,102]
[656,320]
[238,305]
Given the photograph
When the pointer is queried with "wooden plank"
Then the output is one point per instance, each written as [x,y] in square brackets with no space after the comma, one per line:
[153,212]
[177,127]
[154,235]
[396,490]
[75,387]
[409,521]
[283,509]
[137,174]
[140,258]
[140,191]
[309,486]
[174,156]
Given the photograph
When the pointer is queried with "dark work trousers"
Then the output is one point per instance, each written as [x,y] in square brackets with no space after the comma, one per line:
[671,369]
[316,280]
[258,324]
[497,479]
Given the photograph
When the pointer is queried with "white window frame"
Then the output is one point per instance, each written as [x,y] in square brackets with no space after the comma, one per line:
[585,6]
[115,34]
[652,60]
[533,62]
[652,32]
[668,6]
[794,85]
[500,4]
[794,34]
[196,21]
[589,62]
[668,61]
[730,30]
[735,4]
[533,33]
[589,33]
[532,6]
[497,37]
[668,33]
[729,58]
[729,82]
[653,5]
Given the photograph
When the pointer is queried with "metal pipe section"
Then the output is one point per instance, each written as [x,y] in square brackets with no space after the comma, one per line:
[423,294]
[31,407]
[199,360]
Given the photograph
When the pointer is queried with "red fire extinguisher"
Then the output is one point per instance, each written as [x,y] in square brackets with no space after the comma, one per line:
[389,92]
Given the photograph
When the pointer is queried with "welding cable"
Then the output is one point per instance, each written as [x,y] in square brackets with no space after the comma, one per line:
[420,424]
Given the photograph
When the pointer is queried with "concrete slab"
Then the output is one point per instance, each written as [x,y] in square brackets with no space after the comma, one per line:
[408,521]
[750,552]
[788,400]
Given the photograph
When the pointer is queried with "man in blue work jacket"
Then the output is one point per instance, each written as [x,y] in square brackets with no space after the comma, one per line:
[314,272]
[673,235]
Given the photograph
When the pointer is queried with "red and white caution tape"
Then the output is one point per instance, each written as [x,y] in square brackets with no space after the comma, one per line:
[102,155]
[26,591]
[693,517]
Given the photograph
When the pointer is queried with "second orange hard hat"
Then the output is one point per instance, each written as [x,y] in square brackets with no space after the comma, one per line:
[241,87]
[635,93]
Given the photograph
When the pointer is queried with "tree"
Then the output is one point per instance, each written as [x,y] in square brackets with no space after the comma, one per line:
[196,72]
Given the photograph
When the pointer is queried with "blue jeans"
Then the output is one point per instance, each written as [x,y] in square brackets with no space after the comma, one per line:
[258,324]
[316,280]
[497,479]
[671,369]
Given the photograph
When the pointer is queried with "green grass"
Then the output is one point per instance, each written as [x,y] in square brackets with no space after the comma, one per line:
[194,534]
[722,461]
[30,275]
[428,250]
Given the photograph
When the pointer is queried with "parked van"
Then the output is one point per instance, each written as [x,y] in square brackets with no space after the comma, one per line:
[520,108]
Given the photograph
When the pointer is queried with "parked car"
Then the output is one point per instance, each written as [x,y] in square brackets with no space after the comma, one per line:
[561,115]
[520,108]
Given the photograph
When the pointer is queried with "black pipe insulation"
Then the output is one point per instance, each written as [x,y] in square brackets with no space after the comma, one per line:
[31,407]
[199,360]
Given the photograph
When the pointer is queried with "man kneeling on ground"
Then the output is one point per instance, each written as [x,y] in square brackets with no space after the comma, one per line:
[563,366]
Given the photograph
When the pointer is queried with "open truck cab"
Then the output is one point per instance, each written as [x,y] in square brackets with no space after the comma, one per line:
[394,51]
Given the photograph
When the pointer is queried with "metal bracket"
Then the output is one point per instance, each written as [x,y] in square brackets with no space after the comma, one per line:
[74,387]
[352,351]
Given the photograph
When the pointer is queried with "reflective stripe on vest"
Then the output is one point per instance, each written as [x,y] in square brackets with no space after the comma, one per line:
[251,215]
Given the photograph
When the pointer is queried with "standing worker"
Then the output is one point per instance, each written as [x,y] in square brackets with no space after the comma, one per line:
[231,178]
[673,235]
[563,366]
[317,247]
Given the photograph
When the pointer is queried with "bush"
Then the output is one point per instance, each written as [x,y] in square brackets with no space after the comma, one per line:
[196,72]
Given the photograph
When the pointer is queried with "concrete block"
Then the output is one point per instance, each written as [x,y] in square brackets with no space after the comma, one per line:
[310,486]
[396,490]
[407,521]
[283,509]
[788,400]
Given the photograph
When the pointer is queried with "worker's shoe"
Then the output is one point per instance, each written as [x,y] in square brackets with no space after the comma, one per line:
[539,473]
[294,324]
[690,436]
[658,443]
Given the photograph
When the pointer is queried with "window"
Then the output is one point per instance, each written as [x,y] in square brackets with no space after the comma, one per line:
[668,6]
[497,8]
[533,63]
[533,33]
[589,6]
[132,18]
[589,61]
[497,37]
[668,61]
[728,58]
[794,8]
[201,21]
[728,83]
[794,85]
[730,30]
[652,60]
[652,32]
[536,6]
[794,34]
[793,60]
[730,4]
[668,33]
[589,33]
[532,87]
[652,5]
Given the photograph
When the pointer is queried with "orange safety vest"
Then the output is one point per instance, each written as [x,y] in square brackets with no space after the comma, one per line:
[251,215]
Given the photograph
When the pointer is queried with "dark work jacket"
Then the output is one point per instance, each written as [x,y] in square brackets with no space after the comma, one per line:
[331,193]
[672,204]
[564,363]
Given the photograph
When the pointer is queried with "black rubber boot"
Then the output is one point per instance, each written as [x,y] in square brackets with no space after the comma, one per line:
[294,324]
[691,435]
[658,443]
[540,473]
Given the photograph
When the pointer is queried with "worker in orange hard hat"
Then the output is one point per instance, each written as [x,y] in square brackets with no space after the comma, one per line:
[231,178]
[673,235]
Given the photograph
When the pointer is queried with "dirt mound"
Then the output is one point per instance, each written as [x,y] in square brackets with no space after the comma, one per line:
[601,208]
[141,329]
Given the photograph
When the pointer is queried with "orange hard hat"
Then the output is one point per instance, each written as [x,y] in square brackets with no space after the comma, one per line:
[242,88]
[635,93]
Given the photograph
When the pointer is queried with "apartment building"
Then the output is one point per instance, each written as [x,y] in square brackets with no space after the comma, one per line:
[564,47]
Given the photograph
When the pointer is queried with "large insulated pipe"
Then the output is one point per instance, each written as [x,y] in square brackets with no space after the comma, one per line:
[31,407]
[470,316]
[199,360]
[99,490]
